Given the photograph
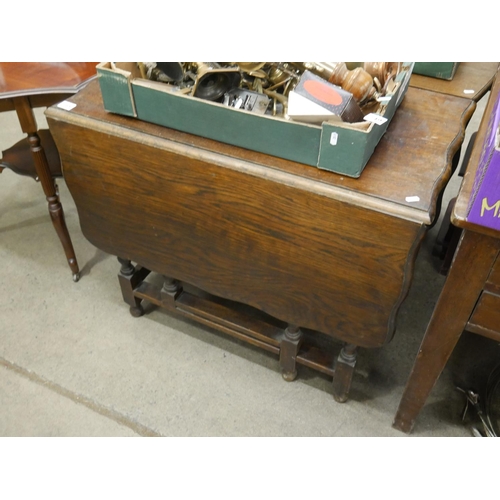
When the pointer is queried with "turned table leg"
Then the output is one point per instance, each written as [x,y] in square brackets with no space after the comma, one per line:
[127,279]
[289,347]
[29,126]
[170,291]
[344,370]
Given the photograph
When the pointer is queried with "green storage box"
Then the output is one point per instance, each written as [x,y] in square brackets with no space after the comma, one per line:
[339,147]
[442,70]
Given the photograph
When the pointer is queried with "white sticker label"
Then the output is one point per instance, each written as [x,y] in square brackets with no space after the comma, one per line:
[469,91]
[333,138]
[374,118]
[412,199]
[66,105]
[384,99]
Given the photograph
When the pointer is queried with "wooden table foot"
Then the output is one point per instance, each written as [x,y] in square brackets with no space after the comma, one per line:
[344,370]
[404,423]
[129,277]
[289,347]
[171,289]
[136,311]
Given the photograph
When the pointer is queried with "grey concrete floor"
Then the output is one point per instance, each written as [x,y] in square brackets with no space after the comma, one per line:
[74,362]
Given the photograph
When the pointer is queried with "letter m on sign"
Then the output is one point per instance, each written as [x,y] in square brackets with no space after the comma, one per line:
[485,206]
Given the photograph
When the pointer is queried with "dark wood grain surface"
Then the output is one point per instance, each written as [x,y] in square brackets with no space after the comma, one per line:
[42,83]
[308,247]
[412,159]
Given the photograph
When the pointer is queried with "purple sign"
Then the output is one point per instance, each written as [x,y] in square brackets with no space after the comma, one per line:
[484,203]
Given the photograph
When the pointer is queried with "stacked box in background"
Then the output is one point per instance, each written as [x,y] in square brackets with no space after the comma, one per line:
[442,70]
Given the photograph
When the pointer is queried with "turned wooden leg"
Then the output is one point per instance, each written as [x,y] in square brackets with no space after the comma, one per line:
[344,370]
[28,125]
[55,208]
[289,347]
[170,291]
[127,279]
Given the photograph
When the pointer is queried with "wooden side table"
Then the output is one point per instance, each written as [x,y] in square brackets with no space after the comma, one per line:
[23,87]
[470,299]
[472,80]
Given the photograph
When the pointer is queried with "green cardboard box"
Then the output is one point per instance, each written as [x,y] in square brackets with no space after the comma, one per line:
[339,147]
[442,70]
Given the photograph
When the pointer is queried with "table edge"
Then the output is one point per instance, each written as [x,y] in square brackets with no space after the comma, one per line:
[50,90]
[259,170]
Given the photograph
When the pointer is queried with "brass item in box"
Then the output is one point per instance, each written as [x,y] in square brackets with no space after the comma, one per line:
[250,67]
[213,81]
[382,71]
[172,70]
[367,82]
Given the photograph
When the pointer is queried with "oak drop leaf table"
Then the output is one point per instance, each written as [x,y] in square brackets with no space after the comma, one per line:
[23,87]
[280,254]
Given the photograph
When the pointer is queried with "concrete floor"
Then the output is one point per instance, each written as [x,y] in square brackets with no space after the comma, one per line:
[74,362]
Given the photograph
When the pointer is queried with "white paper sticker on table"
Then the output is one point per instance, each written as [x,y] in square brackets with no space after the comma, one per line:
[412,199]
[469,91]
[66,105]
[374,118]
[333,138]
